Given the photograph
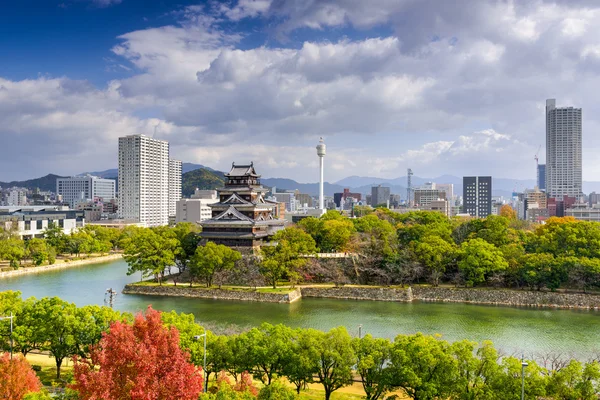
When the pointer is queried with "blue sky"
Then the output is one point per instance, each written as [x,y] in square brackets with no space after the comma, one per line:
[442,88]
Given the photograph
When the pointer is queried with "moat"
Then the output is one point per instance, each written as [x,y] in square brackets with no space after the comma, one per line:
[512,329]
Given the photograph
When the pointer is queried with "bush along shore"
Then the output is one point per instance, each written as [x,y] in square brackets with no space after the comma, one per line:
[60,264]
[504,297]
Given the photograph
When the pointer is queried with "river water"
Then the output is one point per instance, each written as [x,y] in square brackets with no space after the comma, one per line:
[513,330]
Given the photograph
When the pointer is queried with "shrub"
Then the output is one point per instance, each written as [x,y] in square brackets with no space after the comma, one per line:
[276,391]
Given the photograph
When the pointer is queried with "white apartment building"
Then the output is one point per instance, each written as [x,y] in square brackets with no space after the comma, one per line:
[17,197]
[197,208]
[32,221]
[79,189]
[424,195]
[174,185]
[563,151]
[144,180]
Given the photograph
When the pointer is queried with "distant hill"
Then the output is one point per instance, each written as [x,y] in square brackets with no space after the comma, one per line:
[45,183]
[202,179]
[108,174]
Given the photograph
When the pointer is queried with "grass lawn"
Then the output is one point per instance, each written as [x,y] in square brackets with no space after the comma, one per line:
[279,290]
[48,373]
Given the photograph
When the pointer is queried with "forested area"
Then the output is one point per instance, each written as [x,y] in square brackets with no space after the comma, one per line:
[383,248]
[161,356]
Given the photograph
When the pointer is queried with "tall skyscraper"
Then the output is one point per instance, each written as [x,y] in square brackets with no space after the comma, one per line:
[174,185]
[541,177]
[81,188]
[563,151]
[144,180]
[477,195]
[380,195]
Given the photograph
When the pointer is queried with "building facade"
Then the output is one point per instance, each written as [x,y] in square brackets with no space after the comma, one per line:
[380,195]
[17,197]
[242,217]
[584,213]
[174,185]
[541,177]
[31,222]
[563,151]
[144,180]
[477,196]
[80,189]
[423,196]
[197,208]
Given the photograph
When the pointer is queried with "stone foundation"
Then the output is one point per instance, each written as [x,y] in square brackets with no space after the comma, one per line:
[359,293]
[217,294]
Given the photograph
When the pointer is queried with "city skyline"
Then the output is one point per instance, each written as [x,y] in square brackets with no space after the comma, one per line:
[389,86]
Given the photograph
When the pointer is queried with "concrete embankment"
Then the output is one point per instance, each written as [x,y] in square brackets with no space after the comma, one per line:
[503,297]
[220,294]
[59,265]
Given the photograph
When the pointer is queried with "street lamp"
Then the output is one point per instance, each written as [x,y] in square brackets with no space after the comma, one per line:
[360,331]
[11,332]
[196,338]
[523,365]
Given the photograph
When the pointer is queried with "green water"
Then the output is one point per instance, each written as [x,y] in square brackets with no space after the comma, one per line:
[513,330]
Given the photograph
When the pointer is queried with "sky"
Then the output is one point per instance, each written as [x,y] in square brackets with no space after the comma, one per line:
[442,87]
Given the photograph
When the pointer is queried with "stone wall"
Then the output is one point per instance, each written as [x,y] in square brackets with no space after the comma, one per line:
[507,297]
[359,293]
[219,294]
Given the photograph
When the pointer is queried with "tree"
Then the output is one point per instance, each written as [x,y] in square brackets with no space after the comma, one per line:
[423,367]
[508,384]
[149,252]
[55,237]
[478,259]
[575,381]
[336,235]
[373,357]
[271,350]
[16,378]
[477,370]
[186,234]
[540,270]
[139,361]
[28,328]
[335,359]
[508,212]
[276,391]
[37,250]
[210,259]
[301,366]
[435,254]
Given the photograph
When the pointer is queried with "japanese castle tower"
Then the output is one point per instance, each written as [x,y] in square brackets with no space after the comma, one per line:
[242,218]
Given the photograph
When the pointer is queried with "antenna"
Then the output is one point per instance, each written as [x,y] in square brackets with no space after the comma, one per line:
[155,126]
[409,175]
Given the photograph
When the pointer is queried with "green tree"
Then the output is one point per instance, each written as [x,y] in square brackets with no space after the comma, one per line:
[271,350]
[478,259]
[373,357]
[37,250]
[186,234]
[477,370]
[435,254]
[149,252]
[55,237]
[336,235]
[276,391]
[335,359]
[210,259]
[542,270]
[508,384]
[575,381]
[301,365]
[423,367]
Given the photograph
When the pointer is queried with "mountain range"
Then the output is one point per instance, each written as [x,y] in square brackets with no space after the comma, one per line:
[203,177]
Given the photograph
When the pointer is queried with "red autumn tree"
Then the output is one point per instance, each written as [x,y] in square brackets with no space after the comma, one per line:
[17,378]
[139,362]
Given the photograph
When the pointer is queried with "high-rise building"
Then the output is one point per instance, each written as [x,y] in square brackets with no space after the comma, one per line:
[541,177]
[144,180]
[424,195]
[81,189]
[563,151]
[17,197]
[380,195]
[174,185]
[477,196]
[448,188]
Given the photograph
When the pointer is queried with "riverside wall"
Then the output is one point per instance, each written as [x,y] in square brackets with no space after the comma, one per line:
[502,297]
[507,297]
[218,294]
[59,265]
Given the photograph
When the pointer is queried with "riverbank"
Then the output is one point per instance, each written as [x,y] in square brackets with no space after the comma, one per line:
[60,264]
[486,296]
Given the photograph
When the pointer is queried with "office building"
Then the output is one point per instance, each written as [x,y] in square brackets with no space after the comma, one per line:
[32,221]
[144,180]
[424,195]
[477,196]
[288,198]
[536,198]
[448,188]
[594,198]
[563,151]
[17,197]
[541,177]
[197,208]
[380,195]
[174,185]
[81,189]
[340,198]
[583,213]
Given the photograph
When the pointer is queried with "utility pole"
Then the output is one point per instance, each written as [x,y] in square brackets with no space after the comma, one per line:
[409,175]
[11,332]
[109,297]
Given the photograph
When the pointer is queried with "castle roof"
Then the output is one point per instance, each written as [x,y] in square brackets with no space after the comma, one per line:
[242,170]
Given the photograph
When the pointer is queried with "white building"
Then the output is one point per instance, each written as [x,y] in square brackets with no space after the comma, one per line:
[174,185]
[144,180]
[197,208]
[31,221]
[563,151]
[584,213]
[17,197]
[79,189]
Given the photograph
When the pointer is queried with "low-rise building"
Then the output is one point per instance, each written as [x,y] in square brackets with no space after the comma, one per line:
[584,213]
[31,222]
[196,209]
